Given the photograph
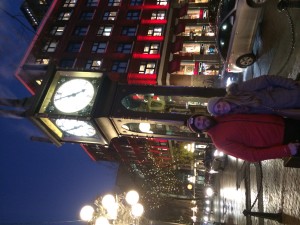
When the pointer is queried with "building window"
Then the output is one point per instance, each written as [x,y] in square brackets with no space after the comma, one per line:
[93,64]
[64,16]
[119,66]
[81,31]
[92,3]
[161,2]
[104,31]
[70,3]
[42,61]
[114,2]
[136,2]
[124,48]
[158,15]
[50,46]
[57,31]
[147,68]
[99,47]
[151,48]
[129,31]
[155,31]
[67,63]
[133,15]
[74,47]
[109,15]
[87,16]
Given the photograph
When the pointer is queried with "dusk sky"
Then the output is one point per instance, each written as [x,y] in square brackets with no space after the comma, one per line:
[39,183]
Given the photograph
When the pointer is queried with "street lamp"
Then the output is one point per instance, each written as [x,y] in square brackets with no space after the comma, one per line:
[121,209]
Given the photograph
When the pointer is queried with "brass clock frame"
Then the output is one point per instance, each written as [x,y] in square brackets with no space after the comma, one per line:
[47,114]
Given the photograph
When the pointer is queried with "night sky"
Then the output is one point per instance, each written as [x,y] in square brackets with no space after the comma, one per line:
[39,182]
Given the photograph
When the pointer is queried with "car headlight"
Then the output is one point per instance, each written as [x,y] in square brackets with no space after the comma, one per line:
[218,153]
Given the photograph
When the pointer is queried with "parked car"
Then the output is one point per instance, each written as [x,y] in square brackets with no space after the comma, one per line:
[237,23]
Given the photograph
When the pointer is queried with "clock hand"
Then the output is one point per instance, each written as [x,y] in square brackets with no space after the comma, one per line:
[74,128]
[70,95]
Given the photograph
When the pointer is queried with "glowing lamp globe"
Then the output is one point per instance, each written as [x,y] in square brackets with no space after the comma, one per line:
[132,197]
[108,201]
[137,210]
[101,221]
[145,127]
[112,212]
[86,213]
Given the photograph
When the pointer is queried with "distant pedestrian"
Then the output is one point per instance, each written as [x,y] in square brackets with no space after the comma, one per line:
[265,95]
[250,137]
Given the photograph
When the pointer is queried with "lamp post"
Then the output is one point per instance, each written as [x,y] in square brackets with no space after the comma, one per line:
[121,209]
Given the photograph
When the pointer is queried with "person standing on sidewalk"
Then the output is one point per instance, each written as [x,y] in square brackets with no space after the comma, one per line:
[250,137]
[267,94]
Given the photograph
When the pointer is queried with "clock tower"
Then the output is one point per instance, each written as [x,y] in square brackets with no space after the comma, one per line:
[87,107]
[64,107]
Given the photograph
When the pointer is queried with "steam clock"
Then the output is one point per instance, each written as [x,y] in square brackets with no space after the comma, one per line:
[87,107]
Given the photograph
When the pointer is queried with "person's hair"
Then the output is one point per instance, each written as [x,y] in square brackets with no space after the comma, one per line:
[240,101]
[190,123]
[240,98]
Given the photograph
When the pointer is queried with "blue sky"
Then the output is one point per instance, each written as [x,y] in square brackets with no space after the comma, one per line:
[38,181]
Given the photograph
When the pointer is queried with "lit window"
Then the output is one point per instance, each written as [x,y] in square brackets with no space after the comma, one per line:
[151,48]
[99,47]
[50,46]
[161,2]
[159,15]
[57,31]
[114,2]
[155,31]
[109,15]
[119,66]
[70,3]
[42,61]
[147,68]
[93,64]
[64,16]
[104,31]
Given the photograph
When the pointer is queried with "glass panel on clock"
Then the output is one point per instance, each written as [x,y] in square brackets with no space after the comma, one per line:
[151,102]
[72,93]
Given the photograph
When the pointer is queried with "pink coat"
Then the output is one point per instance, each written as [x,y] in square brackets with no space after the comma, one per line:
[250,137]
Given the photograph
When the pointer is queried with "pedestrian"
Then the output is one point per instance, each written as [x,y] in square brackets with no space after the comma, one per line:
[250,137]
[266,94]
[15,108]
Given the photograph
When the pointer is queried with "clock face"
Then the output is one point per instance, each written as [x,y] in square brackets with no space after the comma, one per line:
[76,127]
[73,95]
